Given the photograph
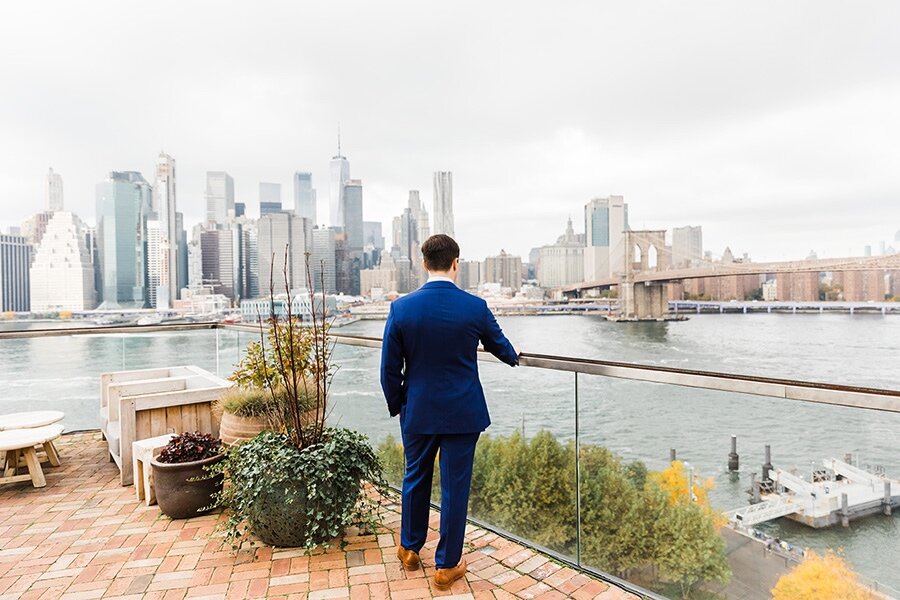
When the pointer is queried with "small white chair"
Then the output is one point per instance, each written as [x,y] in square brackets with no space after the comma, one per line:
[142,451]
[18,446]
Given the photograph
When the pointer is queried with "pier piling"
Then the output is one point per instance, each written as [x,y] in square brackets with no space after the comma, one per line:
[767,467]
[671,454]
[733,459]
[887,498]
[845,511]
[755,492]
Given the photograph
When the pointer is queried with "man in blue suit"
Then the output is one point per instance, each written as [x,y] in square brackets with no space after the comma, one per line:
[429,374]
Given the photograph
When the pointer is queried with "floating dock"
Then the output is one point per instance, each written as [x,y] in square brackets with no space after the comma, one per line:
[839,493]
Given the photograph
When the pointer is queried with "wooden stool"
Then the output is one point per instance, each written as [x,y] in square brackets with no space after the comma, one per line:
[141,453]
[18,448]
[27,420]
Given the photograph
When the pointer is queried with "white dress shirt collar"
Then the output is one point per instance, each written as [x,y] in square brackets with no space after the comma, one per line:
[439,278]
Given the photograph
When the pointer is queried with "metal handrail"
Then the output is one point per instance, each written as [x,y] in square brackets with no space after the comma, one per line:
[859,397]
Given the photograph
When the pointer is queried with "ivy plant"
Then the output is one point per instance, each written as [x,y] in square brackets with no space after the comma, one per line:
[304,497]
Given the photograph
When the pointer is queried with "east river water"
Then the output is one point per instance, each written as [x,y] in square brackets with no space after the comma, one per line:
[640,421]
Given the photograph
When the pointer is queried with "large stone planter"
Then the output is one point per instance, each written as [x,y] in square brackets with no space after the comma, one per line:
[234,429]
[184,490]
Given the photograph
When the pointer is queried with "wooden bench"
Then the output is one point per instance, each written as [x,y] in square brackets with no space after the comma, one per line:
[142,451]
[152,402]
[18,446]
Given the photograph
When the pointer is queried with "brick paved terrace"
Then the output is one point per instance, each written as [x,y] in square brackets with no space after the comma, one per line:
[84,536]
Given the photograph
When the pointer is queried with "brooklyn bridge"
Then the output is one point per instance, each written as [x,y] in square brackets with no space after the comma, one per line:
[643,285]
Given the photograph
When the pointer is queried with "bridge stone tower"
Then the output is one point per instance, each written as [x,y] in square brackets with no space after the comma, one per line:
[645,251]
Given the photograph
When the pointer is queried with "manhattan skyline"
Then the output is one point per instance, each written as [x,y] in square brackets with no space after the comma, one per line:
[777,136]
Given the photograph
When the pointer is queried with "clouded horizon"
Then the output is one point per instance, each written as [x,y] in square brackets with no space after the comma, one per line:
[774,126]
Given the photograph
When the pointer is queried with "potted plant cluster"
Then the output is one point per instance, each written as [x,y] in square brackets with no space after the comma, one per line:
[301,483]
[181,478]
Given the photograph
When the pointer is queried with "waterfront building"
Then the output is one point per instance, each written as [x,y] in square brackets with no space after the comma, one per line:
[353,214]
[154,256]
[384,277]
[860,286]
[304,196]
[255,310]
[339,176]
[687,246]
[563,262]
[181,253]
[54,191]
[443,203]
[797,287]
[164,262]
[469,275]
[604,221]
[195,257]
[769,290]
[62,274]
[219,197]
[15,265]
[123,205]
[504,269]
[280,233]
[323,259]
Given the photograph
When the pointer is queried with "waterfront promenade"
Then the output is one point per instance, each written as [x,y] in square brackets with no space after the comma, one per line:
[84,536]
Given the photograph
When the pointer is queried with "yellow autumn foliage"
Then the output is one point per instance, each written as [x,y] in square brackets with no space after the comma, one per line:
[825,577]
[674,480]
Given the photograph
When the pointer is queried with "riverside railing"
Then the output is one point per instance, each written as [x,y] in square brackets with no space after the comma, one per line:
[576,449]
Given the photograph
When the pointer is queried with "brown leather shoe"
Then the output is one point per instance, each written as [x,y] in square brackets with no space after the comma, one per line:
[408,558]
[444,578]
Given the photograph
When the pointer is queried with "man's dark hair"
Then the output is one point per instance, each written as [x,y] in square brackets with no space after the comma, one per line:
[439,251]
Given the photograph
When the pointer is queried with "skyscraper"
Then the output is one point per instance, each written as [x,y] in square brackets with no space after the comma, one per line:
[504,269]
[123,204]
[443,203]
[353,214]
[687,245]
[223,262]
[15,263]
[604,221]
[62,275]
[417,208]
[304,196]
[276,233]
[54,191]
[322,260]
[269,198]
[219,196]
[340,175]
[165,210]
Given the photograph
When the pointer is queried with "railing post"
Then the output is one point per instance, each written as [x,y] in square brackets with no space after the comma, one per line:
[217,352]
[577,479]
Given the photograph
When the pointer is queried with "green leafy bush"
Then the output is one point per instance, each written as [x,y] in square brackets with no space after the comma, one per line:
[628,522]
[273,483]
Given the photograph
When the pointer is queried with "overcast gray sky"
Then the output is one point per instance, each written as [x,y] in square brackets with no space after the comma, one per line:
[775,125]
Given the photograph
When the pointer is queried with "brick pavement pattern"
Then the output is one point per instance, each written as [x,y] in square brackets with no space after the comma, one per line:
[84,536]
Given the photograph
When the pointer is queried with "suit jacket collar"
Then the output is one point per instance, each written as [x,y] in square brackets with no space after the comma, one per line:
[441,284]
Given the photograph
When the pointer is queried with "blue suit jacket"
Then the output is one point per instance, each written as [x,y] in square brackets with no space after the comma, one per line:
[429,367]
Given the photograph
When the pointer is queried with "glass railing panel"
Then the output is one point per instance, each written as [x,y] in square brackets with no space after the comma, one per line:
[355,400]
[635,513]
[202,348]
[524,478]
[58,373]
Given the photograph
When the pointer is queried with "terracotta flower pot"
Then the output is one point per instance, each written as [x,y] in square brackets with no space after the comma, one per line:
[183,489]
[234,429]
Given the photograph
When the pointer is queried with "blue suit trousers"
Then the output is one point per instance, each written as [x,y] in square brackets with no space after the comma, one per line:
[457,454]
